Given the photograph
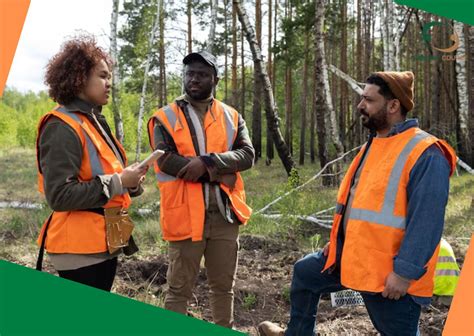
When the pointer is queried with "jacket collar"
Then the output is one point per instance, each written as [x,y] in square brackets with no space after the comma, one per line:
[82,106]
[403,126]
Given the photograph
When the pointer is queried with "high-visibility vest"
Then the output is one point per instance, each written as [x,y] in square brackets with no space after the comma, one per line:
[377,216]
[82,232]
[447,271]
[182,205]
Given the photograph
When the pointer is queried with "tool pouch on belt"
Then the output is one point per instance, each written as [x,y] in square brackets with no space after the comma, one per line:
[119,228]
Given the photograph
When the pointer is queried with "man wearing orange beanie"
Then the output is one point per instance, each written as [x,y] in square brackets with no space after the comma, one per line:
[389,218]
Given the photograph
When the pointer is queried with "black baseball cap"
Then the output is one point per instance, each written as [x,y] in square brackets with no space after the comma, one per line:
[202,56]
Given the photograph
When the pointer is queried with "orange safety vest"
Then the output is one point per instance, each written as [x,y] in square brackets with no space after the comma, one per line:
[377,217]
[182,206]
[82,232]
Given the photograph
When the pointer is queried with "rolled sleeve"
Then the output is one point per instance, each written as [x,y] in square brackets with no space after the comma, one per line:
[407,269]
[427,196]
[112,185]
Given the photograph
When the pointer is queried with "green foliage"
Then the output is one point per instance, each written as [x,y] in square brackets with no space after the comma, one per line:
[8,126]
[293,179]
[135,35]
[285,293]
[263,184]
[21,112]
[314,241]
[19,117]
[460,208]
[249,301]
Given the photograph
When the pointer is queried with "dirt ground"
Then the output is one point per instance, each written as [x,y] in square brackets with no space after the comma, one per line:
[262,291]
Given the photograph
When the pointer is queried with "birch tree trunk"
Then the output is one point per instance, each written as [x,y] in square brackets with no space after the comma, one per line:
[212,29]
[234,57]
[403,21]
[343,101]
[387,23]
[383,34]
[242,62]
[226,42]
[141,111]
[391,18]
[257,90]
[190,26]
[324,106]
[118,121]
[162,79]
[304,97]
[288,89]
[271,74]
[470,34]
[312,121]
[271,111]
[320,94]
[323,80]
[270,146]
[351,81]
[465,143]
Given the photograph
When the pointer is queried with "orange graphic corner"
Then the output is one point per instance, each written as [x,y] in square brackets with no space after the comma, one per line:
[12,18]
[460,316]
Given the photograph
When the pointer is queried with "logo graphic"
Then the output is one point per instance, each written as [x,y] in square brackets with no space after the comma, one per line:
[442,52]
[428,38]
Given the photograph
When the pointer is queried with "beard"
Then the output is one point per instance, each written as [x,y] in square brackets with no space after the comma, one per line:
[201,94]
[377,121]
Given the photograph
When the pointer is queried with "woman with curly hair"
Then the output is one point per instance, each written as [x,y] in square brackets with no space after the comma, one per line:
[83,170]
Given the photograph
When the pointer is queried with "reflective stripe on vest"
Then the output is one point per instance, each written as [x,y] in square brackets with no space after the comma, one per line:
[386,216]
[229,127]
[231,132]
[446,259]
[170,116]
[447,272]
[160,176]
[96,166]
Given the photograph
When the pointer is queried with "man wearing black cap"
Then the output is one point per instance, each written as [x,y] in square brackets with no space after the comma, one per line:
[388,221]
[202,203]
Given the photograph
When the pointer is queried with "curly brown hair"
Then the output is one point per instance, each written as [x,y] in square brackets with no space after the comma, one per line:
[68,70]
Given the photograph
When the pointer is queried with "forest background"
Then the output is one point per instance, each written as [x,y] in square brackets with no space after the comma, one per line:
[294,70]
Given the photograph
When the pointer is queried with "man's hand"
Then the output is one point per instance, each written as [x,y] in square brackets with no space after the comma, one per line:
[193,170]
[395,286]
[228,180]
[326,249]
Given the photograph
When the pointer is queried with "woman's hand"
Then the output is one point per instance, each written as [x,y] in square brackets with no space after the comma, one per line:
[132,176]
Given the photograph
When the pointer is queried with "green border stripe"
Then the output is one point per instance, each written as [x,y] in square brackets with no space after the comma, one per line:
[459,10]
[37,303]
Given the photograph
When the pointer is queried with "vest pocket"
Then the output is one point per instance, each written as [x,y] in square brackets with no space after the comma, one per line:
[173,194]
[175,217]
[175,223]
[380,265]
[85,232]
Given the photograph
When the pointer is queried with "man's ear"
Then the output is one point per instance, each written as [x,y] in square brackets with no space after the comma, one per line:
[216,80]
[395,106]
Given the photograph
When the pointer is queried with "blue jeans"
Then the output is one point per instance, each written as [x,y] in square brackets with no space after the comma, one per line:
[389,317]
